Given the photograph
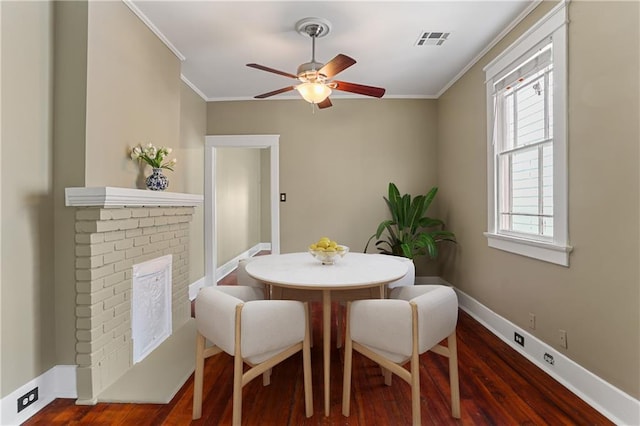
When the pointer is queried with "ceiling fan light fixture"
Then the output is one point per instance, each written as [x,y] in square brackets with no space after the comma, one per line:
[314,92]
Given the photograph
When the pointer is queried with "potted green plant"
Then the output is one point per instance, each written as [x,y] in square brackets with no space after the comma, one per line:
[410,232]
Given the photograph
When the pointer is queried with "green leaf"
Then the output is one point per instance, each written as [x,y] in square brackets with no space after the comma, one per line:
[394,194]
[427,222]
[415,213]
[383,225]
[430,196]
[429,244]
[443,235]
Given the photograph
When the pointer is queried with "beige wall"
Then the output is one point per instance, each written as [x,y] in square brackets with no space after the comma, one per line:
[27,335]
[133,96]
[126,90]
[265,196]
[335,164]
[1,387]
[69,104]
[237,180]
[190,148]
[596,300]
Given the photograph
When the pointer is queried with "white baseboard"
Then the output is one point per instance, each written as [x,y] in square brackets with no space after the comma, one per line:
[57,382]
[195,287]
[231,265]
[616,405]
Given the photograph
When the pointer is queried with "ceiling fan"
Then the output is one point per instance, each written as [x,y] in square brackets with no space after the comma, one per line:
[315,78]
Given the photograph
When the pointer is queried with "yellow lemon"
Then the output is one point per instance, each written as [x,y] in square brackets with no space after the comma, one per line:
[339,248]
[330,249]
[319,248]
[327,239]
[322,243]
[313,247]
[333,244]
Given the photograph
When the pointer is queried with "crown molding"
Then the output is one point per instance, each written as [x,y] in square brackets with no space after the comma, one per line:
[154,29]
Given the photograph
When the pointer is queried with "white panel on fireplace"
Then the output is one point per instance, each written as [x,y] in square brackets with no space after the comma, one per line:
[150,305]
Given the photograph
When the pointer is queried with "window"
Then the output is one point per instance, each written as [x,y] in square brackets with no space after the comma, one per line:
[527,154]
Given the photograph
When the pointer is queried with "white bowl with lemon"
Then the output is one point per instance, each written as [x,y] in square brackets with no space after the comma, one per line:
[328,251]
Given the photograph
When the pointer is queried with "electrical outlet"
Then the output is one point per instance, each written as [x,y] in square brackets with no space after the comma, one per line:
[532,321]
[563,338]
[27,399]
[549,358]
[283,197]
[519,338]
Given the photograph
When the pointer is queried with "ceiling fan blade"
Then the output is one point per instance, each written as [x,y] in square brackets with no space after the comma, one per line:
[263,68]
[336,65]
[325,104]
[360,89]
[275,92]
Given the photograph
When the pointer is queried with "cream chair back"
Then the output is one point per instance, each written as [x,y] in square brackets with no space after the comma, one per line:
[260,333]
[243,277]
[395,331]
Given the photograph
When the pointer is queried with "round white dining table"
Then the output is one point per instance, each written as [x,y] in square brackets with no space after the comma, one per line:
[302,271]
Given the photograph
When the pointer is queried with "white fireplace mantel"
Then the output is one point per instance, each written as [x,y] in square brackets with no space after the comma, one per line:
[108,196]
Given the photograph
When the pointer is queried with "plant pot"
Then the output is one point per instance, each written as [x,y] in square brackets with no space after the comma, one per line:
[157,181]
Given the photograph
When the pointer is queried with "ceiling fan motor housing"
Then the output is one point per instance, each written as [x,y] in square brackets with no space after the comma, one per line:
[308,72]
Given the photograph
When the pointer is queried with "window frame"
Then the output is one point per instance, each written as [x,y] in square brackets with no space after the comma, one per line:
[556,250]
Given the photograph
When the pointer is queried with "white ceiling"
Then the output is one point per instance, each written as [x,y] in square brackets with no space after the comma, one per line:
[218,38]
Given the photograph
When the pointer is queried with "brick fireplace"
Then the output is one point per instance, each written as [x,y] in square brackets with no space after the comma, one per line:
[117,228]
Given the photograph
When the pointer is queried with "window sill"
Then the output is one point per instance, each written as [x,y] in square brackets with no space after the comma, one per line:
[547,252]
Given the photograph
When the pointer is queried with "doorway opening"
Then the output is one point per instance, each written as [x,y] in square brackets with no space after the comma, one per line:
[213,147]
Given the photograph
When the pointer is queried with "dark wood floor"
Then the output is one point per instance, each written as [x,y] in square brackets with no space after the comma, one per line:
[497,386]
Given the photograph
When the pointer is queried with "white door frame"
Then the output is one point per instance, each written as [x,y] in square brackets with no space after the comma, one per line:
[210,216]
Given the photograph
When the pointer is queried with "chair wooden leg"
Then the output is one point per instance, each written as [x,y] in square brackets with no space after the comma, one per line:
[306,366]
[348,358]
[237,390]
[238,365]
[453,375]
[386,373]
[198,377]
[415,390]
[266,378]
[415,368]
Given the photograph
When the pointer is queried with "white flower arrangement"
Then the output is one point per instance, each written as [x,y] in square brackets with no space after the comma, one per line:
[153,156]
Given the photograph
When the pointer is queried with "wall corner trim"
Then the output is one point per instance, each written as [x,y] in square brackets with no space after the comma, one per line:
[136,10]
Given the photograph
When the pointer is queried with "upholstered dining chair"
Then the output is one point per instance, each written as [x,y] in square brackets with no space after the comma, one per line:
[261,333]
[408,279]
[397,330]
[243,278]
